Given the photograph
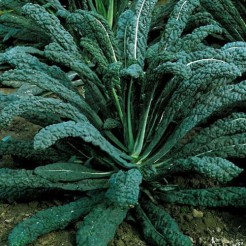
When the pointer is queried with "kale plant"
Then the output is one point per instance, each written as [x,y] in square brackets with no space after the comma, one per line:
[151,108]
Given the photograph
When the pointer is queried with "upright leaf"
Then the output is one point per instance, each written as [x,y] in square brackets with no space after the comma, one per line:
[134,31]
[95,28]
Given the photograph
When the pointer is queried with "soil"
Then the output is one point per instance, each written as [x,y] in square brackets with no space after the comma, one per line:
[219,227]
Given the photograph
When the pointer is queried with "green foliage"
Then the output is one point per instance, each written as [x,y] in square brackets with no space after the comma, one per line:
[124,188]
[230,14]
[50,219]
[49,135]
[133,30]
[99,33]
[68,172]
[102,223]
[214,167]
[159,98]
[15,183]
[212,197]
[109,9]
[24,149]
[158,226]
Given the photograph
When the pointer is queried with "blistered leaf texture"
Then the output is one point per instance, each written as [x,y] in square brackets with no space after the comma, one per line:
[212,167]
[50,134]
[159,227]
[211,197]
[101,223]
[124,188]
[49,220]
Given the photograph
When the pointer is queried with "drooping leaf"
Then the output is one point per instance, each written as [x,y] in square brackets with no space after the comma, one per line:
[102,223]
[49,220]
[52,26]
[14,26]
[16,183]
[54,52]
[65,171]
[177,22]
[24,149]
[188,93]
[28,105]
[45,82]
[225,12]
[226,146]
[95,51]
[211,197]
[49,135]
[159,228]
[207,139]
[176,68]
[22,57]
[212,167]
[194,41]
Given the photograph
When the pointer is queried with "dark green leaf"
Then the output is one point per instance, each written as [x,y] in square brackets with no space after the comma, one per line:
[49,220]
[159,228]
[211,197]
[65,171]
[101,223]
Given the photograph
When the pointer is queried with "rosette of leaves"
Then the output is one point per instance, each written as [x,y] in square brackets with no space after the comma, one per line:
[148,113]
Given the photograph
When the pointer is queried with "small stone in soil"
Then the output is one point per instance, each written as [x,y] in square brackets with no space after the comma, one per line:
[197,213]
[218,229]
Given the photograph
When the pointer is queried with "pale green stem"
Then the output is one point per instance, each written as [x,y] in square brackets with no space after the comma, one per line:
[115,140]
[110,16]
[141,133]
[117,104]
[129,119]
